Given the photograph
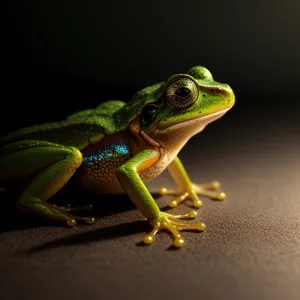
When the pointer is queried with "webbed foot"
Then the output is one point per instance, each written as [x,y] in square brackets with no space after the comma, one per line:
[191,193]
[52,212]
[67,209]
[165,221]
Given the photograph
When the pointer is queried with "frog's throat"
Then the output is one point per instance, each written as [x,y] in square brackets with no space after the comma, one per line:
[192,126]
[138,133]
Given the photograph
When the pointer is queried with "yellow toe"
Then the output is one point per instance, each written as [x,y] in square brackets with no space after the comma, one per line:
[221,196]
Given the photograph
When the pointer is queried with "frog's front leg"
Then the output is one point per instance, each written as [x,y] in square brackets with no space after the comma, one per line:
[187,189]
[53,165]
[130,180]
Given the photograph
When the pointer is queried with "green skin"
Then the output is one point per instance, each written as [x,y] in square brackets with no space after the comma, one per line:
[133,142]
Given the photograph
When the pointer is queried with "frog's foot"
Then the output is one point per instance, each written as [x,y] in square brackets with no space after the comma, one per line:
[165,221]
[71,219]
[206,189]
[67,209]
[209,190]
[51,212]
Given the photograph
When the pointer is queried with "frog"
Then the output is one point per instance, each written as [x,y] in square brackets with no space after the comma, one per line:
[118,147]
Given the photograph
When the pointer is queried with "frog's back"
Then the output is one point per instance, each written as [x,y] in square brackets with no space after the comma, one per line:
[78,130]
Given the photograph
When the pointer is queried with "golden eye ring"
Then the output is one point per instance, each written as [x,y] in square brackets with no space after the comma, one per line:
[181,91]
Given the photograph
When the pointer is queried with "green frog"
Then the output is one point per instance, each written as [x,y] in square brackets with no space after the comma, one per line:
[118,147]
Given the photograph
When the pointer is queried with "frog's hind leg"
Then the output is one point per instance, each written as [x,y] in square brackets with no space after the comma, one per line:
[53,165]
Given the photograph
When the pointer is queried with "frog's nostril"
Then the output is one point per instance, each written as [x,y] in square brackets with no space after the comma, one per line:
[219,91]
[222,91]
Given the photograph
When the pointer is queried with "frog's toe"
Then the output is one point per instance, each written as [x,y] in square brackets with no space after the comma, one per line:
[50,212]
[209,190]
[182,196]
[71,219]
[71,222]
[192,193]
[172,223]
[188,195]
[213,185]
[90,220]
[165,191]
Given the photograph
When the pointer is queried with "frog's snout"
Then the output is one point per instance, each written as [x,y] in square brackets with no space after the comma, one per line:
[229,96]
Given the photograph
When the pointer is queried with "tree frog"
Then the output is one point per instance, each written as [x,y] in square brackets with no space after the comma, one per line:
[118,147]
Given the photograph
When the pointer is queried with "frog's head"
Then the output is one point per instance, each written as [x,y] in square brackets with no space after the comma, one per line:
[180,107]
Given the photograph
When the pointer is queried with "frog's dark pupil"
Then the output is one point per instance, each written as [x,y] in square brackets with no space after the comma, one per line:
[148,115]
[183,92]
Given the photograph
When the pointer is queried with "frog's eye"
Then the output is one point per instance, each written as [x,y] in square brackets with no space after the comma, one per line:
[181,93]
[148,115]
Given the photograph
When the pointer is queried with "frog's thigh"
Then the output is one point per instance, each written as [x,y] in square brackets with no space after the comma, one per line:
[53,162]
[53,165]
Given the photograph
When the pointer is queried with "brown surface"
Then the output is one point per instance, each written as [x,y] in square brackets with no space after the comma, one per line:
[250,249]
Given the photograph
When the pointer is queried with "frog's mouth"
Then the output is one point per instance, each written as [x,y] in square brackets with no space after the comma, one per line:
[192,126]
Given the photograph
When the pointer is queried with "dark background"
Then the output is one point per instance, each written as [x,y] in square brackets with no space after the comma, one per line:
[60,57]
[66,56]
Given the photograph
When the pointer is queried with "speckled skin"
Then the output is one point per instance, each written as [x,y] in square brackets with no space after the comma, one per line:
[117,147]
[100,161]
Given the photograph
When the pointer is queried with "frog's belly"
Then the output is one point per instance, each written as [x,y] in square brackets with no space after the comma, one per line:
[97,172]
